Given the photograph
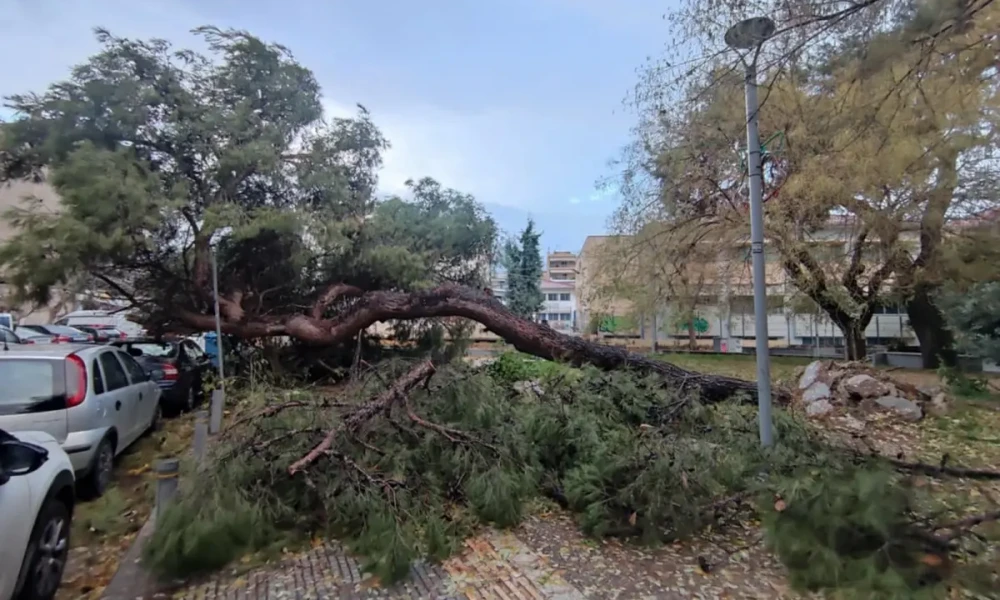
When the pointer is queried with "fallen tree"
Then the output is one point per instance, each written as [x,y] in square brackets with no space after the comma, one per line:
[529,337]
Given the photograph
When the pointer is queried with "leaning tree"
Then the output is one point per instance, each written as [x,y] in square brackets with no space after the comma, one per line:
[164,158]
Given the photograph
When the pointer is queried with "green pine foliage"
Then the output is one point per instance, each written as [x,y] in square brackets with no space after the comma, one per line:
[627,455]
[853,531]
[523,261]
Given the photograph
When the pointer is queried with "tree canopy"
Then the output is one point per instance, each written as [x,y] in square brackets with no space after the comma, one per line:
[162,156]
[871,173]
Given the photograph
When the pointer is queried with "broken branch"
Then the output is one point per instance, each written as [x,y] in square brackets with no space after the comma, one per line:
[396,392]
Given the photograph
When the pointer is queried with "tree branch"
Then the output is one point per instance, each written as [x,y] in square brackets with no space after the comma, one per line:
[396,392]
[457,301]
[331,295]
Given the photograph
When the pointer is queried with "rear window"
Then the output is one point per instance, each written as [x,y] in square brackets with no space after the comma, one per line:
[153,349]
[32,385]
[63,330]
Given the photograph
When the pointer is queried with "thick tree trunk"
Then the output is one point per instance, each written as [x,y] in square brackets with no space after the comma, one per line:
[936,341]
[855,341]
[692,336]
[456,301]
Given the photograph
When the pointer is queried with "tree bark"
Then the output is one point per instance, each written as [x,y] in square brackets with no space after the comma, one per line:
[457,301]
[855,341]
[936,340]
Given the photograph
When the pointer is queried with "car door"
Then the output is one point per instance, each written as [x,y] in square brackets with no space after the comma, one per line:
[15,529]
[147,391]
[120,396]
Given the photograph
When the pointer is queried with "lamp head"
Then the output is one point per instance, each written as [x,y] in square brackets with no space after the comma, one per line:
[750,33]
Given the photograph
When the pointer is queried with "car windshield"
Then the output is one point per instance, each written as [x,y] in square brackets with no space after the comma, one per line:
[158,350]
[29,380]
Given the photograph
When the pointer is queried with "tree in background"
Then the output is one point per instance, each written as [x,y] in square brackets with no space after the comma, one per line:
[974,317]
[522,260]
[869,172]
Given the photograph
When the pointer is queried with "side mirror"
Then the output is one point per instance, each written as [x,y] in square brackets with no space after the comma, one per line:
[156,374]
[20,458]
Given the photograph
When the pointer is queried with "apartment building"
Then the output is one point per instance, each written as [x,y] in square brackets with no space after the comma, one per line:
[559,302]
[723,301]
[561,265]
[559,305]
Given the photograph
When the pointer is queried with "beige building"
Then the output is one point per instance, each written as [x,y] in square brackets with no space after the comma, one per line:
[721,292]
[19,194]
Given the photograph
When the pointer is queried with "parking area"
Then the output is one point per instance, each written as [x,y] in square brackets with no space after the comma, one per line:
[84,411]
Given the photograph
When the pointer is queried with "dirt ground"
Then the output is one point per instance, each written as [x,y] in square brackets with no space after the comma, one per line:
[103,528]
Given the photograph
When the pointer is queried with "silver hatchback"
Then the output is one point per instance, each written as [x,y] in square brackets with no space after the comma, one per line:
[96,400]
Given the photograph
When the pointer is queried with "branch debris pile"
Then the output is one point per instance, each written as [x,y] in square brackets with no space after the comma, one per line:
[407,461]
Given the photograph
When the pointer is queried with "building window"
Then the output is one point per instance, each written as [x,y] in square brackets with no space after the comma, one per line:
[553,297]
[553,316]
[564,297]
[564,316]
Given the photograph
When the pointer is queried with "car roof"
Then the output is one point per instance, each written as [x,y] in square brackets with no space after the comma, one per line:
[48,351]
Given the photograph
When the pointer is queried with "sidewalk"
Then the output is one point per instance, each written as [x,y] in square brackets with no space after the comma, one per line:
[544,559]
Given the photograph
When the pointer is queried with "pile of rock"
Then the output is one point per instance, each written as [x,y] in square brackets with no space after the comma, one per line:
[825,386]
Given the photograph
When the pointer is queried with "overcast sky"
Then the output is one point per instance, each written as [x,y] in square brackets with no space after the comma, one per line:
[518,102]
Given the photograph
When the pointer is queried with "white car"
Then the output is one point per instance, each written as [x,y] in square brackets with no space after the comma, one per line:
[36,506]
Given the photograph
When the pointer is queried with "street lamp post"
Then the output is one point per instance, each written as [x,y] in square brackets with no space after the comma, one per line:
[749,35]
[218,322]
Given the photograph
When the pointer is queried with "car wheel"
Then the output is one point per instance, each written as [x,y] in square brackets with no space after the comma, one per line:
[99,477]
[45,558]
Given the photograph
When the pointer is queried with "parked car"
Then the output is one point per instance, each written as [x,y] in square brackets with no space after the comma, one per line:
[96,400]
[36,337]
[184,366]
[102,334]
[7,336]
[36,493]
[62,334]
[101,318]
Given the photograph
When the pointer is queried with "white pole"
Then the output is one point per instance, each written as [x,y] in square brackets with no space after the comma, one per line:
[757,250]
[218,323]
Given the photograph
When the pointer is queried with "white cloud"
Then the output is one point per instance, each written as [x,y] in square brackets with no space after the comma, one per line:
[574,200]
[500,155]
[471,152]
[43,39]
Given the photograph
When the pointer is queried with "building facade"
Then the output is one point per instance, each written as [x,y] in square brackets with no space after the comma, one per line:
[724,306]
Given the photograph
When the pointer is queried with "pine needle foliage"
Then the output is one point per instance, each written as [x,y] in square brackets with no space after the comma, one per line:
[627,455]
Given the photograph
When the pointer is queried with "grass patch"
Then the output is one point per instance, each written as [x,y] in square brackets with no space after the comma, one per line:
[744,366]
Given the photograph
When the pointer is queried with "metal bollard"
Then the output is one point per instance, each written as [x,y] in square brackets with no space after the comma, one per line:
[218,400]
[167,471]
[200,434]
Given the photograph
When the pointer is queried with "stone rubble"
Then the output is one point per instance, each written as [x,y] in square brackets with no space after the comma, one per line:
[826,387]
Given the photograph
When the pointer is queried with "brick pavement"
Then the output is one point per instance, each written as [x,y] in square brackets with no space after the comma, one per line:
[495,565]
